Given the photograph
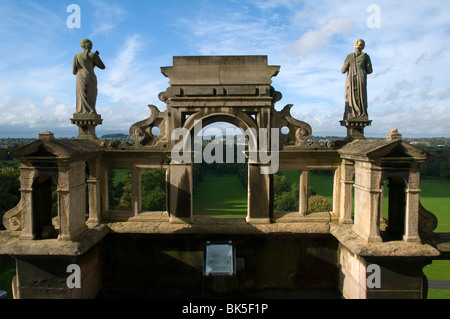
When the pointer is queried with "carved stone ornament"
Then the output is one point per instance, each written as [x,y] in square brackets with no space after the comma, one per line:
[298,132]
[12,219]
[150,132]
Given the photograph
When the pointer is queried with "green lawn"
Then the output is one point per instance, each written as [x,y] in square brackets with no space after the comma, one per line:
[435,197]
[220,196]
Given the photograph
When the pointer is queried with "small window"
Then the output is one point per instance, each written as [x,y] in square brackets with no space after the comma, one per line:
[153,190]
[119,189]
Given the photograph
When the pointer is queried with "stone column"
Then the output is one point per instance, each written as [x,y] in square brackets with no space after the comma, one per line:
[346,201]
[71,199]
[26,192]
[367,201]
[180,193]
[303,193]
[412,207]
[260,195]
[336,193]
[94,192]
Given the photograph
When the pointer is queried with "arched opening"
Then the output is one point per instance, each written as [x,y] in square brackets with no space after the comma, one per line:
[44,207]
[394,208]
[220,170]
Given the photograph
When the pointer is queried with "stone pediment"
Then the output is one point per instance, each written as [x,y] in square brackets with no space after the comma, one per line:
[56,149]
[382,149]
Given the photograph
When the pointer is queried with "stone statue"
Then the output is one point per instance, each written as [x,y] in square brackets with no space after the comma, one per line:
[86,85]
[357,65]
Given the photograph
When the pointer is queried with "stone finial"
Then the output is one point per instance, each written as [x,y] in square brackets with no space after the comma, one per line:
[394,135]
[46,135]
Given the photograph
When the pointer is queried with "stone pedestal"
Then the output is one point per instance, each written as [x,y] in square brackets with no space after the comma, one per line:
[86,124]
[355,127]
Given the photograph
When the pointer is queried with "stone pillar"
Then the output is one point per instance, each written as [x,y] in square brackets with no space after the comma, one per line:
[367,201]
[260,195]
[94,192]
[336,193]
[303,193]
[26,192]
[71,199]
[346,201]
[412,207]
[180,193]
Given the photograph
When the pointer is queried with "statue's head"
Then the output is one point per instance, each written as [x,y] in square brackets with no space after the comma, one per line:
[359,44]
[86,44]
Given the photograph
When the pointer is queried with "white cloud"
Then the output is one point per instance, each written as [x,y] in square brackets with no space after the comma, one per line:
[107,16]
[130,79]
[23,117]
[316,40]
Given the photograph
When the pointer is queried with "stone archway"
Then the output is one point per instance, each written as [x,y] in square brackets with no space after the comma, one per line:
[220,169]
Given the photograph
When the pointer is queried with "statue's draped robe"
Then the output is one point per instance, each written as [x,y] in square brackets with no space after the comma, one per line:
[86,84]
[356,85]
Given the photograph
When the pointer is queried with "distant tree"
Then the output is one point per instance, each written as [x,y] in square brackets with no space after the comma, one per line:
[125,188]
[287,201]
[280,184]
[437,164]
[153,189]
[318,203]
[444,168]
[9,189]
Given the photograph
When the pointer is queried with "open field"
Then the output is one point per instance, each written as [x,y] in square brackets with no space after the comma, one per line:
[220,196]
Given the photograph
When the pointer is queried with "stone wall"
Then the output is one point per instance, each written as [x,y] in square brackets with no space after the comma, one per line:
[159,265]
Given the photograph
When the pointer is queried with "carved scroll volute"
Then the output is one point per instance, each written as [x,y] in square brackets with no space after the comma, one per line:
[298,131]
[12,219]
[143,133]
[427,222]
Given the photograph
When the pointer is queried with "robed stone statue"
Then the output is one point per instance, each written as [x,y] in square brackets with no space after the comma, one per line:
[357,65]
[86,84]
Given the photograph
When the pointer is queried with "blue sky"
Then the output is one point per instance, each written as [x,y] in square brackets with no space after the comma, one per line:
[408,42]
